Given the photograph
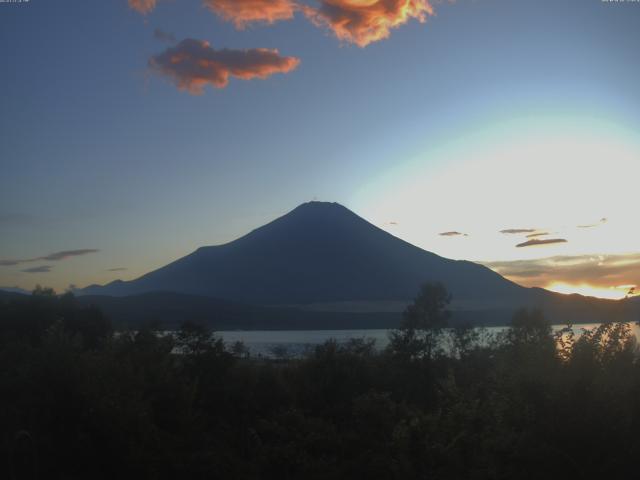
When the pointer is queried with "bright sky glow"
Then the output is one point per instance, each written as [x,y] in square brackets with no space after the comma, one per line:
[612,293]
[551,175]
[572,178]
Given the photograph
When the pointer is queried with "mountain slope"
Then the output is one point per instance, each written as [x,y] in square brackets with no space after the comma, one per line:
[19,290]
[319,252]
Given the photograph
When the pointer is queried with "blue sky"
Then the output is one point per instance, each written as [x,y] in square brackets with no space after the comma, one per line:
[99,151]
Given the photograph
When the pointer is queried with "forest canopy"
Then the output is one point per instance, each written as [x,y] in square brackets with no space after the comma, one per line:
[79,400]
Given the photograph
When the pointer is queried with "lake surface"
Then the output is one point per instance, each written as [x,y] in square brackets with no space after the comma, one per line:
[296,342]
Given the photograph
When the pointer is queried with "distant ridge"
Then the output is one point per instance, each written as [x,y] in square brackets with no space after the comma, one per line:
[19,290]
[169,310]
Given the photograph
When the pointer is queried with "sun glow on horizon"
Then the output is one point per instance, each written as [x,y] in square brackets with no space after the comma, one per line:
[612,293]
[546,173]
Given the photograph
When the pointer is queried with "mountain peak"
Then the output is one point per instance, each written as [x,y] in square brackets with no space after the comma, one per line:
[315,207]
[312,222]
[318,204]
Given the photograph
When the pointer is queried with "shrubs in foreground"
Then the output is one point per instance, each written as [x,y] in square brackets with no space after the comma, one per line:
[80,402]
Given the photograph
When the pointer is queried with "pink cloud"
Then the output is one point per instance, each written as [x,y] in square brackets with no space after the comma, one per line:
[243,12]
[193,64]
[142,6]
[365,21]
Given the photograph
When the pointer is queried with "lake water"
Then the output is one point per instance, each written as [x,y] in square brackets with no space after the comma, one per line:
[296,342]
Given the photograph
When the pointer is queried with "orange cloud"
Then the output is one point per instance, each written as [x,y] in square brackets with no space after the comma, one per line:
[365,21]
[538,242]
[537,234]
[619,274]
[243,12]
[142,6]
[193,64]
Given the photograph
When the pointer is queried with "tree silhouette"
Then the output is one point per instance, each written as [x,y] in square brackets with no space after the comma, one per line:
[423,323]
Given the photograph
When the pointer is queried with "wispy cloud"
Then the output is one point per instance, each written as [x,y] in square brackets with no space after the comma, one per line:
[142,6]
[56,256]
[592,225]
[163,36]
[193,64]
[364,22]
[453,233]
[539,242]
[537,234]
[9,263]
[516,231]
[243,12]
[40,269]
[68,254]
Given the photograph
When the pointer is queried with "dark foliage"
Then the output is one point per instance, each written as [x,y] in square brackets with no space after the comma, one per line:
[423,323]
[78,401]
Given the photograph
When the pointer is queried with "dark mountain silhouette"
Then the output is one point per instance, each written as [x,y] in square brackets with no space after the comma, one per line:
[319,252]
[6,296]
[320,255]
[15,290]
